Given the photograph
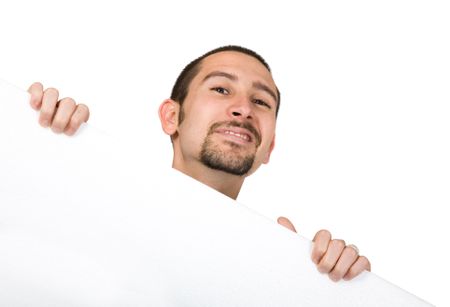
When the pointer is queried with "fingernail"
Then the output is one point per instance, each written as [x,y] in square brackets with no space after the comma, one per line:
[45,123]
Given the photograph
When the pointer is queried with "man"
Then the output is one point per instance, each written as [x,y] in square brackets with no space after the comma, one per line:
[221,118]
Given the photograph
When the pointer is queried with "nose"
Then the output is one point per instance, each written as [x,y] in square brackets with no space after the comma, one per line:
[241,108]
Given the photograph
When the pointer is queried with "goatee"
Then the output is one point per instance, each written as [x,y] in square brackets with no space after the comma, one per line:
[231,161]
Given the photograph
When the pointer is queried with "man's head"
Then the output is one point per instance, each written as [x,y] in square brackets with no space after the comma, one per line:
[222,112]
[181,87]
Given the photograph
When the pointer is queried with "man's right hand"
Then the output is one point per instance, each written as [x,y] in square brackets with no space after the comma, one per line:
[62,115]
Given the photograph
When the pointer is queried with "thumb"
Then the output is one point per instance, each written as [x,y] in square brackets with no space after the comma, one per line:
[284,221]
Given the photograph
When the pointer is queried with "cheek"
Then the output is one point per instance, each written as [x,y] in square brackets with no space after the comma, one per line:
[268,134]
[192,133]
[262,152]
[265,151]
[194,128]
[268,137]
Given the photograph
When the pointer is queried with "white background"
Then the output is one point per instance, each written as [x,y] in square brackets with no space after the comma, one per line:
[363,130]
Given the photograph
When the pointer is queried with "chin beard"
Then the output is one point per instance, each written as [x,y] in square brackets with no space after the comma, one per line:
[231,161]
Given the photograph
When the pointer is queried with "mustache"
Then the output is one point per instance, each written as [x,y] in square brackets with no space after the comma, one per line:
[234,123]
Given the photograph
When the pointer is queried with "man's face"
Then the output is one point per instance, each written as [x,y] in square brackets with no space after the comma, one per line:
[229,114]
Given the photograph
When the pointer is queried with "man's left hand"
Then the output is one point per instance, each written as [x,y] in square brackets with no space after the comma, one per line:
[333,256]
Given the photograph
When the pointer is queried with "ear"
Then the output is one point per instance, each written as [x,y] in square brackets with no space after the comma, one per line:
[168,115]
[272,146]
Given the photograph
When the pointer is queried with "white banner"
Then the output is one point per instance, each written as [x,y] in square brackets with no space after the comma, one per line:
[86,221]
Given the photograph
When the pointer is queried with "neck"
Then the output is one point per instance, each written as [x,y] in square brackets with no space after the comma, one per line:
[225,183]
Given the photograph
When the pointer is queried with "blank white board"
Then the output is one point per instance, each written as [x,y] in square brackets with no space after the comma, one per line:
[86,221]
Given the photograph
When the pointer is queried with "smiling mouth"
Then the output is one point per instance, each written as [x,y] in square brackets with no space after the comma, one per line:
[235,132]
[240,137]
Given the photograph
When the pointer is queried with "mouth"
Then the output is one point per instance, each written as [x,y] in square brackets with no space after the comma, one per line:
[237,132]
[237,135]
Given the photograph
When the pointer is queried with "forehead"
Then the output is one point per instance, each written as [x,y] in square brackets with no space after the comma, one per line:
[240,64]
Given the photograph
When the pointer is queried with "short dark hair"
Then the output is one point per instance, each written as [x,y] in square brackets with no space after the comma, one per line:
[181,86]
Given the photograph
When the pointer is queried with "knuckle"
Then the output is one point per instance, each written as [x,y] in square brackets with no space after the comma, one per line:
[339,243]
[83,106]
[68,102]
[351,251]
[365,262]
[37,85]
[52,90]
[83,112]
[324,232]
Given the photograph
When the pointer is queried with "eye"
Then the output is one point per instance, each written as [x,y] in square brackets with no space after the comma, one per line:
[220,90]
[262,103]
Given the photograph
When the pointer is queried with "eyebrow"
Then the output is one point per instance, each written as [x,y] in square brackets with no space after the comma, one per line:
[220,74]
[258,85]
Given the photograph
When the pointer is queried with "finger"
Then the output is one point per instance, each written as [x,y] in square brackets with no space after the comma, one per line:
[360,265]
[81,115]
[63,114]
[49,101]
[320,245]
[286,223]
[347,258]
[332,255]
[37,91]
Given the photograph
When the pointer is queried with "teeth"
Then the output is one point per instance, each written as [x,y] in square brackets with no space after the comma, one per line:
[242,136]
